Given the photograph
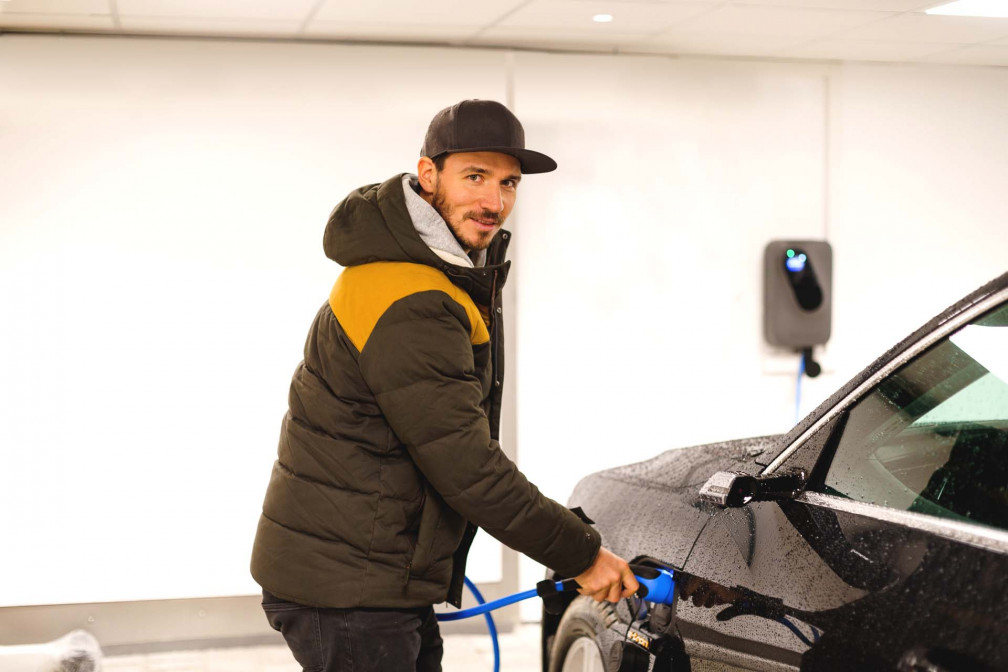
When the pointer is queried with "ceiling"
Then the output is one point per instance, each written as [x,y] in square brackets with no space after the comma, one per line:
[834,30]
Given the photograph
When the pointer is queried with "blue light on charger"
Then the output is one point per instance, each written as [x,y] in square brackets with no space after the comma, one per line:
[796,263]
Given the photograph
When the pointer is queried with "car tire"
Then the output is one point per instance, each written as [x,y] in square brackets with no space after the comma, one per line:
[576,643]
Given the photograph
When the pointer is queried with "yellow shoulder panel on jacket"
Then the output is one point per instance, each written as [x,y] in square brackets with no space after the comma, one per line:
[362,294]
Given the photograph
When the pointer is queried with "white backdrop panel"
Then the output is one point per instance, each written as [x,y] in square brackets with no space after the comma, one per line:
[160,264]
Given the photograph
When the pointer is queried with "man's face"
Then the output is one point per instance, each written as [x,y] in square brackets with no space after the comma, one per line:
[474,193]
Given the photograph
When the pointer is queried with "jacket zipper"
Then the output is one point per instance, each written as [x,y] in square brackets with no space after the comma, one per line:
[493,334]
[413,547]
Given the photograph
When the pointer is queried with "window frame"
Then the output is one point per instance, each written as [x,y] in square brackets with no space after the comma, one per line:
[967,532]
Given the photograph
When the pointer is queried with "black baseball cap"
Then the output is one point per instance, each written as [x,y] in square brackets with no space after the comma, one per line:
[482,126]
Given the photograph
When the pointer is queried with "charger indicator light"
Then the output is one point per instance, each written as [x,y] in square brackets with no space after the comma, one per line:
[795,264]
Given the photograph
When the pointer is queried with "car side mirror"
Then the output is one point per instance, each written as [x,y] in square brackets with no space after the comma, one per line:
[731,489]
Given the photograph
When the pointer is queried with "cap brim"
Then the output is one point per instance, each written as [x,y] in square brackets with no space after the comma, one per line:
[532,162]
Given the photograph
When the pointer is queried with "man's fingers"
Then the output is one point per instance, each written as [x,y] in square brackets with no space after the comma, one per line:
[608,578]
[615,592]
[623,586]
[610,592]
[630,581]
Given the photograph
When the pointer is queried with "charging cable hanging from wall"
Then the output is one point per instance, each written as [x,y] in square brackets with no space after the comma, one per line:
[798,301]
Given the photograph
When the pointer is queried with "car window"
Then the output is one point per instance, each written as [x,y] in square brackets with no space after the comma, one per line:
[932,437]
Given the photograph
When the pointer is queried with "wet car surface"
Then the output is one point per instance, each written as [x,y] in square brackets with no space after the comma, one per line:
[872,536]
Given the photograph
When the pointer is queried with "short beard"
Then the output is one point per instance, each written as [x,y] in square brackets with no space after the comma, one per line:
[448,213]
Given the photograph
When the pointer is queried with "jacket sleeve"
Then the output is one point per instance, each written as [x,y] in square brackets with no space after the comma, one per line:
[418,362]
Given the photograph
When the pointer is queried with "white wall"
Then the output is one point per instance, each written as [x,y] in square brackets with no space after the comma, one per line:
[161,211]
[640,323]
[160,262]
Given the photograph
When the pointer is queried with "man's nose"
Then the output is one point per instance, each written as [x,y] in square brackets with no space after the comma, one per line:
[492,199]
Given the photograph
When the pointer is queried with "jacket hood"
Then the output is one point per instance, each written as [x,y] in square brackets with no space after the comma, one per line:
[373,224]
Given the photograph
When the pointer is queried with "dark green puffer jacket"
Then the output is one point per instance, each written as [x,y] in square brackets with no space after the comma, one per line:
[388,456]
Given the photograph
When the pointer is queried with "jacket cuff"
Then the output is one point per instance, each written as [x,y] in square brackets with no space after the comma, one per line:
[583,554]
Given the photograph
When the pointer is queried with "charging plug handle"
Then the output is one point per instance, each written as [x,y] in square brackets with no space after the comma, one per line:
[656,585]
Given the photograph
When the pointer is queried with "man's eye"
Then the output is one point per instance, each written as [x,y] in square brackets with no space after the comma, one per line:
[509,184]
[475,177]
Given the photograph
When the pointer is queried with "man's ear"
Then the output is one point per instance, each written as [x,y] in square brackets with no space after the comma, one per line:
[426,174]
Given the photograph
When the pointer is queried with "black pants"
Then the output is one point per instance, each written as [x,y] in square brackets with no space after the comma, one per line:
[357,640]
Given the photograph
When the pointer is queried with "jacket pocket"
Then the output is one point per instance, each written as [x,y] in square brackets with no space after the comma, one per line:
[430,518]
[438,534]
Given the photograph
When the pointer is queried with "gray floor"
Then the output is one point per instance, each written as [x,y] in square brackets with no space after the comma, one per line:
[463,653]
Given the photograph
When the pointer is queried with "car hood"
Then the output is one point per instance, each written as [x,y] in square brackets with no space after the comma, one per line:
[652,508]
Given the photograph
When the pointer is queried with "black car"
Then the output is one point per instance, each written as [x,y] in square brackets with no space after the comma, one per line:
[872,536]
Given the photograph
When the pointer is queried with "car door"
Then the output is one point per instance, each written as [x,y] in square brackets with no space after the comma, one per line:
[896,554]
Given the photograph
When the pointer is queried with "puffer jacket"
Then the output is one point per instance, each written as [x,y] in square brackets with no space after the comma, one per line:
[388,455]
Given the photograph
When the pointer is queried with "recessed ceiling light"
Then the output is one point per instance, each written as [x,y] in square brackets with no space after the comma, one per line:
[995,9]
[602,18]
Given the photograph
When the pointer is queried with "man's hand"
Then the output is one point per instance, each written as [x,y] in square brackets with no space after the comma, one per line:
[609,578]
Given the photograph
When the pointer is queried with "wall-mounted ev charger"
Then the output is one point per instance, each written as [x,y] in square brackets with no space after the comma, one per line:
[798,296]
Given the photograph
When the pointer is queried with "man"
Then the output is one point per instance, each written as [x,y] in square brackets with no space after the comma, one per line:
[388,458]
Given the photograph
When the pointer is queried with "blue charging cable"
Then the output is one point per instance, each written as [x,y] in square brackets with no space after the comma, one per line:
[784,620]
[486,607]
[658,585]
[491,626]
[797,401]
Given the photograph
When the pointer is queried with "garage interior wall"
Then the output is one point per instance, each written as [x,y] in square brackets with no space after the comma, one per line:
[640,284]
[161,210]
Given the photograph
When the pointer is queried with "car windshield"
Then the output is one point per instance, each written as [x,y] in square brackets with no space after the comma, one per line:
[933,436]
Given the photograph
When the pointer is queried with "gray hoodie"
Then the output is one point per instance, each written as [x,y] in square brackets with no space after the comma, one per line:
[434,231]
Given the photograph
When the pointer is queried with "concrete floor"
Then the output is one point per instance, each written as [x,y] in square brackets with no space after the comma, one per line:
[463,653]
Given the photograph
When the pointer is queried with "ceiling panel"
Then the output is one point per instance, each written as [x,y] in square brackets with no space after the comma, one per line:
[724,44]
[79,22]
[872,30]
[926,28]
[389,32]
[413,13]
[55,7]
[553,38]
[639,17]
[290,10]
[863,50]
[779,21]
[614,3]
[849,5]
[160,25]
